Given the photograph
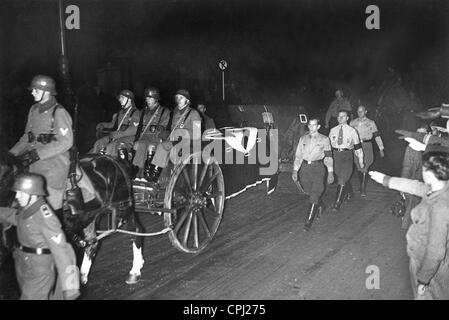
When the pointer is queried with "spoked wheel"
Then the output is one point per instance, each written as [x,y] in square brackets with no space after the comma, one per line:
[197,192]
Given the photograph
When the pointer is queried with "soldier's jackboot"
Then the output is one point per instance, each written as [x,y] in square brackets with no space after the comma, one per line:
[349,192]
[339,199]
[363,182]
[313,210]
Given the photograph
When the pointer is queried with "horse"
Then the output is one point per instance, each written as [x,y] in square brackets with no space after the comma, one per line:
[113,198]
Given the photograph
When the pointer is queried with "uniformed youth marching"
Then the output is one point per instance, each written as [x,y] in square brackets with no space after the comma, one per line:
[367,130]
[313,149]
[184,117]
[47,139]
[153,120]
[344,139]
[123,125]
[42,245]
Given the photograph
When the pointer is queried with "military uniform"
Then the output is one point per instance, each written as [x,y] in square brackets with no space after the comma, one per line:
[336,105]
[310,152]
[185,119]
[124,126]
[367,130]
[157,118]
[43,247]
[53,150]
[344,139]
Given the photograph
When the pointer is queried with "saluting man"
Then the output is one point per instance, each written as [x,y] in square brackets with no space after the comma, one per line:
[44,146]
[313,149]
[153,120]
[123,125]
[344,139]
[367,130]
[43,248]
[183,117]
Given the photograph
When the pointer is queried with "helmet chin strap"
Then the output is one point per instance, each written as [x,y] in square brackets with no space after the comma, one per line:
[126,103]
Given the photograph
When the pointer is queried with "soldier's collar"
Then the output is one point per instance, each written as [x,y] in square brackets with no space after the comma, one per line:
[28,212]
[47,105]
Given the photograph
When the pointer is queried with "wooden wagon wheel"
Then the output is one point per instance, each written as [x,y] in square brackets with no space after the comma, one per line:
[197,192]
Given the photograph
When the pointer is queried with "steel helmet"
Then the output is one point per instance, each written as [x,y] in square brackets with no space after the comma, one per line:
[151,93]
[44,83]
[126,93]
[30,183]
[184,93]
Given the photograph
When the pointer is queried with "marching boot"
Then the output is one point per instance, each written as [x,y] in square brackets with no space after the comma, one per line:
[339,199]
[349,192]
[364,180]
[311,215]
[321,209]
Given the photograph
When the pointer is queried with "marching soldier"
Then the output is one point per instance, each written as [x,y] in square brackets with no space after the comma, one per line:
[44,146]
[344,139]
[153,120]
[313,149]
[339,103]
[42,245]
[123,126]
[367,130]
[183,117]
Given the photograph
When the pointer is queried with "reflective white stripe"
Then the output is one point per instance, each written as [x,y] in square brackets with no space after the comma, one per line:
[250,186]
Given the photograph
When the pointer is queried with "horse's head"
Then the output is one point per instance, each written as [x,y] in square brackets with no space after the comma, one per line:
[8,169]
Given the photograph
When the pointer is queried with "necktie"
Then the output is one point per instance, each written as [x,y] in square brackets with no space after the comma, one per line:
[340,136]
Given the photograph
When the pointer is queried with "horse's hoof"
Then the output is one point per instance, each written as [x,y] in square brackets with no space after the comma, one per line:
[132,278]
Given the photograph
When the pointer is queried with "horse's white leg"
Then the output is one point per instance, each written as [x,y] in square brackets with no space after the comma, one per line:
[134,273]
[85,268]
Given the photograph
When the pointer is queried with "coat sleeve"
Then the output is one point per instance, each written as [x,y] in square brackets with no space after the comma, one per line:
[61,250]
[8,215]
[165,118]
[436,243]
[407,168]
[21,145]
[64,136]
[414,187]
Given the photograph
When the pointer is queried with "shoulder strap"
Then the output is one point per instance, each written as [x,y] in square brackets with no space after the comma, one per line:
[52,127]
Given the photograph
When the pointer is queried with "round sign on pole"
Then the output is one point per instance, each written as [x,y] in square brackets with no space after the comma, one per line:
[223,64]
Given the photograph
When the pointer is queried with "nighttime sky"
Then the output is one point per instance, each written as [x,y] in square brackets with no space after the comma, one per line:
[274,43]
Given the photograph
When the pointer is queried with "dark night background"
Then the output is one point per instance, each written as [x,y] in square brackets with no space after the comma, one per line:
[279,52]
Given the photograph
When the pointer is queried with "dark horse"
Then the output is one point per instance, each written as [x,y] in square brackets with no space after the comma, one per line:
[113,194]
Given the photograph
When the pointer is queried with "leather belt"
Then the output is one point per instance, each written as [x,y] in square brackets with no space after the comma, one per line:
[37,251]
[341,149]
[312,162]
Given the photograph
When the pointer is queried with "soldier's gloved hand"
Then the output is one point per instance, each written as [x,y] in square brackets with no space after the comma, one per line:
[28,157]
[71,294]
[382,153]
[330,178]
[100,126]
[295,175]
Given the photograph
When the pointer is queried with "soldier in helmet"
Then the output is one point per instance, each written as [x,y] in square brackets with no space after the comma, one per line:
[184,123]
[44,146]
[42,244]
[123,126]
[153,120]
